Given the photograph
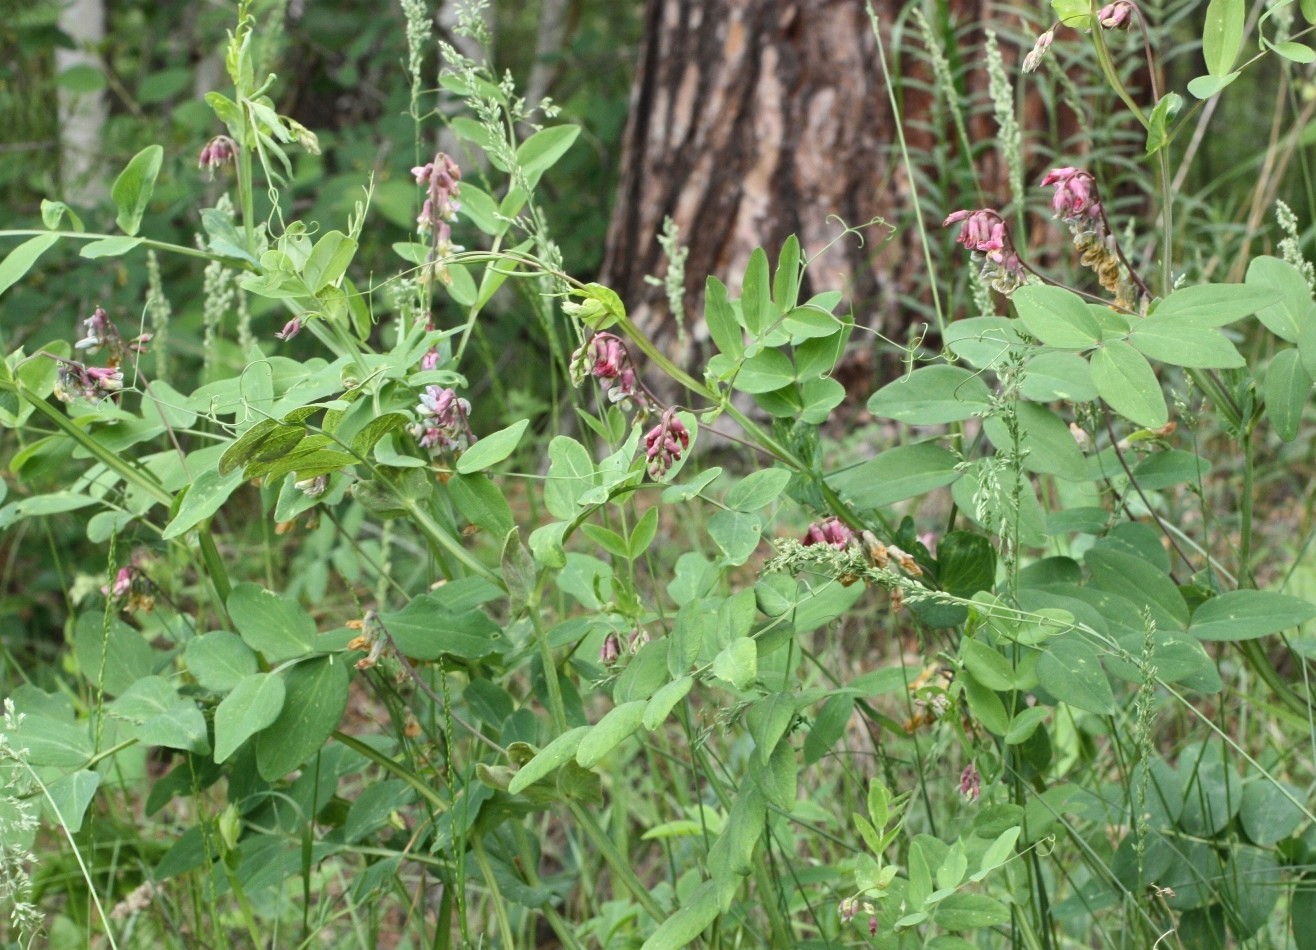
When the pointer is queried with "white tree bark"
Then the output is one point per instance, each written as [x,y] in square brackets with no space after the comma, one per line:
[81,114]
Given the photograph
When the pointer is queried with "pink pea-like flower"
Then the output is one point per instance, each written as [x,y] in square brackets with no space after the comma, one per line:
[831,531]
[971,783]
[604,356]
[665,443]
[1116,16]
[1076,194]
[984,232]
[444,421]
[219,151]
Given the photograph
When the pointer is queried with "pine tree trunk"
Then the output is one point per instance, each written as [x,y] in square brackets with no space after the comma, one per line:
[755,119]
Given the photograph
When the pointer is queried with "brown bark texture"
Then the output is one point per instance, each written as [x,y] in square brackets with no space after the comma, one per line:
[755,119]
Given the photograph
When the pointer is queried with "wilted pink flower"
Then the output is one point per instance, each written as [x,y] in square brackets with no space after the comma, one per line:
[221,150]
[971,783]
[872,926]
[74,380]
[443,424]
[1116,16]
[847,909]
[1076,194]
[639,637]
[831,531]
[101,331]
[610,652]
[1038,52]
[665,443]
[431,358]
[605,357]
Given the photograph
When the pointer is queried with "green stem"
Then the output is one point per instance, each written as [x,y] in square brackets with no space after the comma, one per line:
[1245,578]
[435,533]
[617,862]
[182,249]
[500,909]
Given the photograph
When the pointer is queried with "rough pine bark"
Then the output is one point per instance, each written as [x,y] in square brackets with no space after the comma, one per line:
[755,119]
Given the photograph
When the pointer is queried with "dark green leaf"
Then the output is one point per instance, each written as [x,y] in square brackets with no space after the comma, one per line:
[932,395]
[1248,614]
[315,700]
[133,188]
[271,623]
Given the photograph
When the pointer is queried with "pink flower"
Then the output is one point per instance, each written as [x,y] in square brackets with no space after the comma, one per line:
[443,425]
[1116,16]
[1076,194]
[605,357]
[971,783]
[610,652]
[984,232]
[290,329]
[221,150]
[1038,52]
[665,443]
[831,531]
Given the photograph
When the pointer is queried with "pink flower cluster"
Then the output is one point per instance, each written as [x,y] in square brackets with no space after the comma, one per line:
[1076,194]
[604,356]
[443,425]
[665,443]
[101,332]
[443,177]
[219,151]
[984,232]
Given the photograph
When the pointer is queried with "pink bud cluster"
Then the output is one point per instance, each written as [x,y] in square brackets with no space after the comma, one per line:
[219,151]
[443,177]
[971,783]
[443,425]
[984,232]
[604,356]
[131,587]
[665,443]
[831,531]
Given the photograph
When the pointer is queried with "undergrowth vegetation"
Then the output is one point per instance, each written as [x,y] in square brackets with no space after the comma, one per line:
[363,649]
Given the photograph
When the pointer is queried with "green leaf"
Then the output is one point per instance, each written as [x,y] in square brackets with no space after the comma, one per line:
[271,623]
[542,150]
[38,506]
[1172,342]
[427,629]
[132,190]
[109,247]
[1206,306]
[491,449]
[1295,309]
[315,701]
[684,927]
[737,664]
[896,474]
[767,721]
[1049,445]
[786,281]
[983,341]
[1268,813]
[642,535]
[1140,581]
[756,307]
[932,395]
[1070,670]
[69,797]
[162,717]
[20,260]
[757,489]
[661,703]
[964,911]
[548,759]
[481,502]
[1204,87]
[1222,35]
[52,742]
[1050,376]
[1287,389]
[1057,317]
[570,474]
[204,497]
[736,533]
[1248,614]
[1167,107]
[1170,467]
[1294,52]
[112,660]
[827,727]
[720,316]
[605,735]
[1125,380]
[253,704]
[765,372]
